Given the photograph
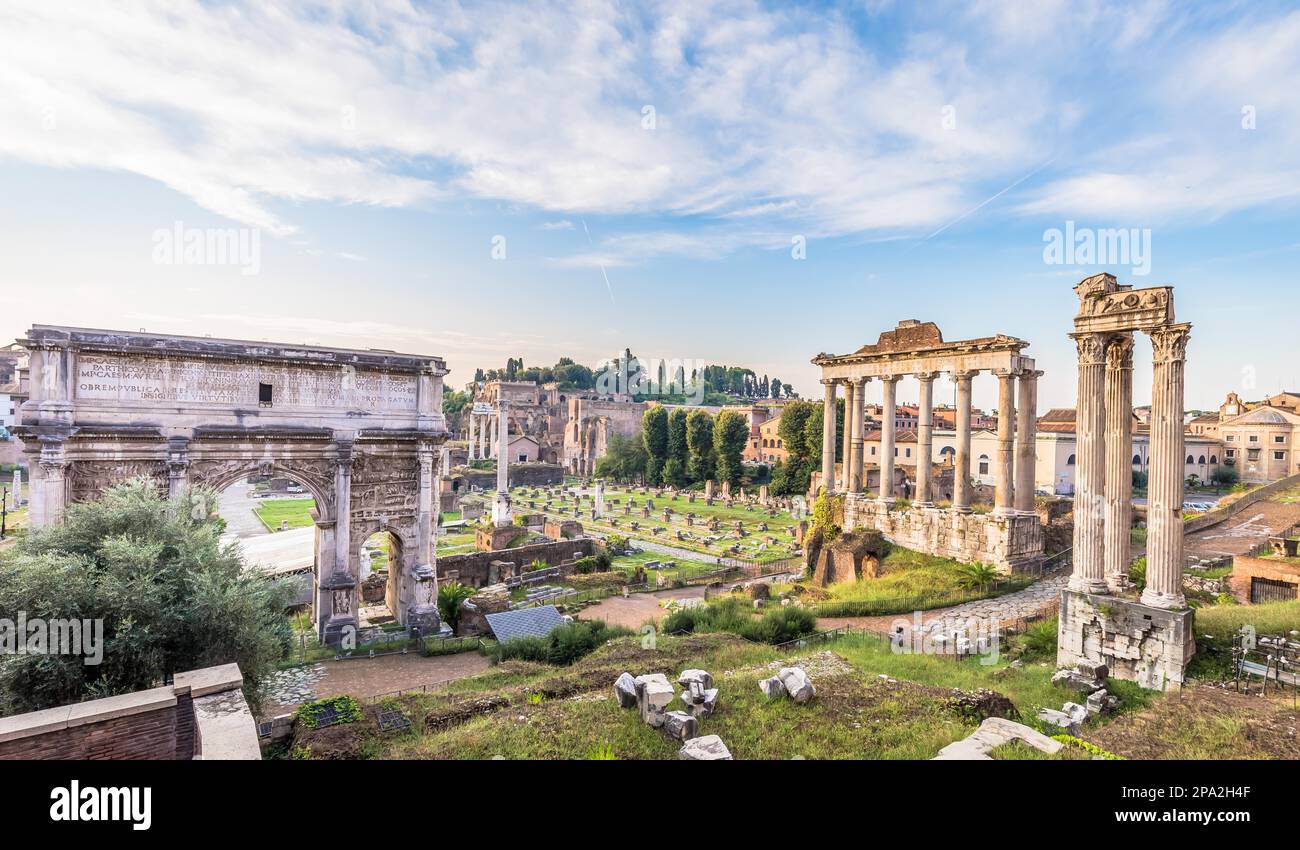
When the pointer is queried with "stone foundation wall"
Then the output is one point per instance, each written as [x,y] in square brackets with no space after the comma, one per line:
[476,568]
[1011,544]
[1246,567]
[1150,646]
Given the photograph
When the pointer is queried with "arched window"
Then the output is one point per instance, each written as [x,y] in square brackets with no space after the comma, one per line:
[1214,458]
[1137,460]
[1202,460]
[1069,461]
[1190,460]
[947,453]
[984,465]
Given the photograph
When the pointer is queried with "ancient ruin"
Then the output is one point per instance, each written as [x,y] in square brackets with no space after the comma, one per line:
[359,429]
[1010,537]
[1148,641]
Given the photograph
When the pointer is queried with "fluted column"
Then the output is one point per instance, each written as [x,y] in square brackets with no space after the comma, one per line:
[472,419]
[924,440]
[857,475]
[1119,459]
[1089,574]
[828,438]
[1004,488]
[343,509]
[889,394]
[482,438]
[1026,445]
[1165,483]
[846,451]
[961,489]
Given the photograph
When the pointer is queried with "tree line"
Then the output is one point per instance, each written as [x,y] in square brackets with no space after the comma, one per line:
[679,448]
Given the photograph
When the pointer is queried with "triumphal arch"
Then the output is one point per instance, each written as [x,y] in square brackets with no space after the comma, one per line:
[359,429]
[1010,537]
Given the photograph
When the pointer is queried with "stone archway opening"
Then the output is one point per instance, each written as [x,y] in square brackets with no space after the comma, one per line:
[272,517]
[379,559]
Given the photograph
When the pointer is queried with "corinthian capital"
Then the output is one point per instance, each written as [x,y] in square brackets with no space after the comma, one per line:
[1092,349]
[1170,344]
[1119,352]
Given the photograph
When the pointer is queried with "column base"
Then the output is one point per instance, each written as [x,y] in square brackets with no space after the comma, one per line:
[1136,642]
[924,506]
[1005,512]
[1081,584]
[340,631]
[1164,601]
[960,509]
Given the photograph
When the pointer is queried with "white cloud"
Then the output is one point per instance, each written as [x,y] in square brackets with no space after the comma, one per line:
[771,119]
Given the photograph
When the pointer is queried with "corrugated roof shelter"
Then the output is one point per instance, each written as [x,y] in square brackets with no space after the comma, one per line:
[526,622]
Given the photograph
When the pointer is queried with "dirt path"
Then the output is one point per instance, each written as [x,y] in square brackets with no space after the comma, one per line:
[1243,532]
[366,677]
[638,608]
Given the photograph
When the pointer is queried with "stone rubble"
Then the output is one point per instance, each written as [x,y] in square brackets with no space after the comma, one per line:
[994,732]
[706,748]
[625,690]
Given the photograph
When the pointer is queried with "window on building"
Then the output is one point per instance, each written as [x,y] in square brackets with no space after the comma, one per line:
[1137,460]
[1202,460]
[1279,439]
[1279,455]
[265,393]
[1228,438]
[523,458]
[1069,461]
[1214,458]
[907,452]
[1190,460]
[1254,438]
[984,464]
[1230,453]
[1252,454]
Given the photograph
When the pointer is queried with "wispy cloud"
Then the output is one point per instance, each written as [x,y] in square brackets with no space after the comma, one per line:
[774,120]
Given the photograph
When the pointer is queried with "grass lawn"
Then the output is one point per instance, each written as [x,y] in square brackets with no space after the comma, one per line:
[456,543]
[778,526]
[685,570]
[1216,626]
[871,703]
[910,581]
[15,519]
[272,512]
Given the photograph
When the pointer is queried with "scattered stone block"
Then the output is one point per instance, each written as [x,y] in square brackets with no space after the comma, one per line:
[679,725]
[994,732]
[625,690]
[1059,718]
[772,688]
[797,684]
[1101,702]
[706,748]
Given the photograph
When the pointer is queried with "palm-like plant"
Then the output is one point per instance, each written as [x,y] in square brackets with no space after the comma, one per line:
[450,596]
[976,576]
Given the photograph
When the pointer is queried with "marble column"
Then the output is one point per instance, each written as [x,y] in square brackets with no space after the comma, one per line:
[343,509]
[50,493]
[857,474]
[1004,470]
[961,489]
[472,418]
[502,513]
[924,441]
[482,437]
[828,437]
[1089,574]
[425,500]
[1165,482]
[178,465]
[1026,443]
[889,394]
[1118,488]
[846,451]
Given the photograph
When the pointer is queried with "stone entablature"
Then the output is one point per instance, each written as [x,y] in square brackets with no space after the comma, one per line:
[1011,543]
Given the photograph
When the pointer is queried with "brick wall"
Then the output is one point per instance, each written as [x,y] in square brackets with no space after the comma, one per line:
[1246,567]
[146,735]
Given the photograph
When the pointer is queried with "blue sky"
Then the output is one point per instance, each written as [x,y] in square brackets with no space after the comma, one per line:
[919,151]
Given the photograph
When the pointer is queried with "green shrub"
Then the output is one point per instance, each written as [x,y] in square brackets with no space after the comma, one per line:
[1040,639]
[585,565]
[346,708]
[450,596]
[732,614]
[564,645]
[976,576]
[1137,573]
